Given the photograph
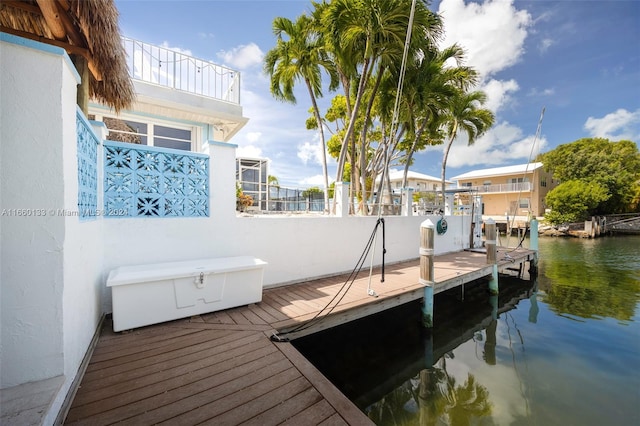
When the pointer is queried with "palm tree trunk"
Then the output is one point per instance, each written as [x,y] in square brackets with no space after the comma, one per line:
[325,173]
[352,120]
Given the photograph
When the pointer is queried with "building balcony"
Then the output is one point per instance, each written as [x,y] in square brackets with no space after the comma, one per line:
[176,85]
[504,188]
[169,68]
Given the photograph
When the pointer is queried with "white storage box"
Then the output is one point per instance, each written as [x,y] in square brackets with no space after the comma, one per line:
[150,294]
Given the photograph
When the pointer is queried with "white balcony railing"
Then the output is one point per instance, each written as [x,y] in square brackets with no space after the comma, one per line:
[176,70]
[505,187]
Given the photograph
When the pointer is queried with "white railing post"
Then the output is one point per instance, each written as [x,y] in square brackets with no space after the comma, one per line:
[342,199]
[407,202]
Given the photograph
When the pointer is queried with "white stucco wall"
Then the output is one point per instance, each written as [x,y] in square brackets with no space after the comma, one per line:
[295,247]
[82,264]
[50,262]
[32,240]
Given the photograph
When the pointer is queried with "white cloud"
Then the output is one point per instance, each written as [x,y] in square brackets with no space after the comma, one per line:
[499,93]
[243,56]
[545,44]
[503,144]
[492,33]
[544,92]
[249,151]
[277,131]
[317,180]
[253,136]
[166,45]
[311,151]
[618,125]
[307,152]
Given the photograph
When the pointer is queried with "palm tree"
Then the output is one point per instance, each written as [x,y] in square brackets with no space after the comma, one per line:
[367,40]
[464,113]
[299,55]
[430,85]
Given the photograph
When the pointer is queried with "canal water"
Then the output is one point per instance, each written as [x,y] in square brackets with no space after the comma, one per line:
[563,349]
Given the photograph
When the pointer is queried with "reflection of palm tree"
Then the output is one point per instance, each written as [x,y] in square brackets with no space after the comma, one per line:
[442,399]
[431,398]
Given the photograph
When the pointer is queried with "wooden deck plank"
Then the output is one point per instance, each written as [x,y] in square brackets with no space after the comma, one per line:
[136,339]
[252,316]
[99,369]
[221,317]
[159,343]
[313,415]
[259,404]
[262,313]
[184,365]
[298,301]
[223,351]
[275,313]
[236,401]
[214,326]
[275,298]
[129,402]
[238,317]
[168,405]
[100,372]
[287,409]
[221,368]
[334,420]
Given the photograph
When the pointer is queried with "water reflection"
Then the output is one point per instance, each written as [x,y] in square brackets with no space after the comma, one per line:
[433,397]
[597,278]
[562,350]
[399,373]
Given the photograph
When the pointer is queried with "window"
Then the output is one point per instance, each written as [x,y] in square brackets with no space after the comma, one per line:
[138,132]
[543,181]
[168,137]
[524,203]
[126,131]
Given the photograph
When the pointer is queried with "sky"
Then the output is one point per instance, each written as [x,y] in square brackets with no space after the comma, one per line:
[578,60]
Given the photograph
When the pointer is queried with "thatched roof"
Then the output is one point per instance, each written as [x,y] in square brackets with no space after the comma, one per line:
[88,28]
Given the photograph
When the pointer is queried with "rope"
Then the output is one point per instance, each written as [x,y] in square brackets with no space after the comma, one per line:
[337,298]
[392,130]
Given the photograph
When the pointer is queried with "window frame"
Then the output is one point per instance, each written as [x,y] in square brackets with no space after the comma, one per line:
[195,131]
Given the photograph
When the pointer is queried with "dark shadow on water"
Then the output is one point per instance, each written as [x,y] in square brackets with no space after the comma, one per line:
[371,358]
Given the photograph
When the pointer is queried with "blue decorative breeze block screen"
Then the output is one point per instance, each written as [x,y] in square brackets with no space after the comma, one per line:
[87,168]
[143,181]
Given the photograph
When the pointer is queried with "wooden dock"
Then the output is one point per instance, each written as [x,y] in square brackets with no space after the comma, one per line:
[221,368]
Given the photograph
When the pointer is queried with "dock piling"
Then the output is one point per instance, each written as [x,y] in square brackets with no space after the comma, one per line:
[427,270]
[490,244]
